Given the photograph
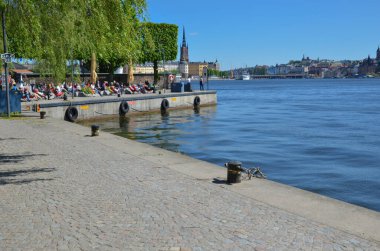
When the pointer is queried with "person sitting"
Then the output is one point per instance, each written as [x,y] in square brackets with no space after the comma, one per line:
[39,94]
[26,94]
[148,86]
[133,88]
[114,90]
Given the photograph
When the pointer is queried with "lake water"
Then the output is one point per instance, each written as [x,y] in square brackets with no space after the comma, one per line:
[318,135]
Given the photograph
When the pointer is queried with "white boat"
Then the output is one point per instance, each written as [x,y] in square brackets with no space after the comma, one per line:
[244,76]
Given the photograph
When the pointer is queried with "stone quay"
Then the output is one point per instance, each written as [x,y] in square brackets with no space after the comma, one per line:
[61,189]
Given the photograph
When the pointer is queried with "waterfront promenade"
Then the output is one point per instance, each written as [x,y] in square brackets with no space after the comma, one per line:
[61,189]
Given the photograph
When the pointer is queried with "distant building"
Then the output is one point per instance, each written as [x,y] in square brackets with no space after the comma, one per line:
[196,68]
[214,65]
[281,69]
[367,66]
[184,58]
[147,68]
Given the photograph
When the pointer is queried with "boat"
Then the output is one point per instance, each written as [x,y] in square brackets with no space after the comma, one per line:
[244,76]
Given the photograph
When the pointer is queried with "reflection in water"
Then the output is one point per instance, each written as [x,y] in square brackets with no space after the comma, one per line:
[169,129]
[164,113]
[123,122]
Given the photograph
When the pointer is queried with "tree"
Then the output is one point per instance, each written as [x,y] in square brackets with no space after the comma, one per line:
[124,32]
[159,43]
[55,31]
[259,70]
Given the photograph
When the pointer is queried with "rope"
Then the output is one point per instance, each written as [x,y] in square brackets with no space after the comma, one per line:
[136,109]
[104,113]
[254,172]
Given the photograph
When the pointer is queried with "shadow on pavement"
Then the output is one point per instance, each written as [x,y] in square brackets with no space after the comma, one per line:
[15,158]
[5,176]
[219,181]
[1,139]
[19,182]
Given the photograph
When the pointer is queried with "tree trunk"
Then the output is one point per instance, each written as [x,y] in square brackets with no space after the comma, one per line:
[94,76]
[131,78]
[155,68]
[111,72]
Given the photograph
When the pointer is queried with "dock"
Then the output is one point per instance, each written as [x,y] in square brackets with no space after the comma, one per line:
[91,107]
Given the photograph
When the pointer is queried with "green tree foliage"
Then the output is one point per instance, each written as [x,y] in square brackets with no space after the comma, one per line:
[259,70]
[159,43]
[55,31]
[220,74]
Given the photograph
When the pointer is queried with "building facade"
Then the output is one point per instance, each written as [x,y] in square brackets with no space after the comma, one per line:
[147,68]
[196,68]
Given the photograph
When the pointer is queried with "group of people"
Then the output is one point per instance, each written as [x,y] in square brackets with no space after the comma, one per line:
[33,92]
[37,91]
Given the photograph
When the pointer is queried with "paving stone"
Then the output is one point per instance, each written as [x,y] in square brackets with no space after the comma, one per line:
[61,190]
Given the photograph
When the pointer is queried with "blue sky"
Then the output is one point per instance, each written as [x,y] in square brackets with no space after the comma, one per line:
[257,32]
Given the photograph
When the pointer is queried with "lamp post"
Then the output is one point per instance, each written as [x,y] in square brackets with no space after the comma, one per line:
[5,63]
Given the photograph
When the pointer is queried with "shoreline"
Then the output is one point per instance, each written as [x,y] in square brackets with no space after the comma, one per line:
[309,204]
[280,78]
[150,178]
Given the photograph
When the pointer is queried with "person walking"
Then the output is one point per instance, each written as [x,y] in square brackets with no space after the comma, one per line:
[201,84]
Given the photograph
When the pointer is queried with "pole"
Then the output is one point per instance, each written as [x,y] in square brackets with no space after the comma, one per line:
[72,75]
[5,63]
[207,79]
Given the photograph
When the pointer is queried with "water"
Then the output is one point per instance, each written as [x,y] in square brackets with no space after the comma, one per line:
[318,135]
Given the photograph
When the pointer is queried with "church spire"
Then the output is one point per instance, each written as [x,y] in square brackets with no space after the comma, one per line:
[184,38]
[184,48]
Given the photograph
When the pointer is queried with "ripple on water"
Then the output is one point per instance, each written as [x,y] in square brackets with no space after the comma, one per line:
[319,135]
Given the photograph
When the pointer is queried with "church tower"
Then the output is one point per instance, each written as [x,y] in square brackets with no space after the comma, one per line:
[184,58]
[378,54]
[184,48]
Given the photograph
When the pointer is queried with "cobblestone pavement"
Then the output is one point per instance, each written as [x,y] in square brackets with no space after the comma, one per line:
[63,190]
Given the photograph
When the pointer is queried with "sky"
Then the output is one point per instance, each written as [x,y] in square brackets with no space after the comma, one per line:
[241,33]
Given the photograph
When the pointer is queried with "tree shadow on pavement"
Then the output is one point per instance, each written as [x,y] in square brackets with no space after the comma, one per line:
[19,182]
[6,176]
[15,158]
[2,139]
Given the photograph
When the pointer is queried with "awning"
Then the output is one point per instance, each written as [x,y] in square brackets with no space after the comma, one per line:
[21,71]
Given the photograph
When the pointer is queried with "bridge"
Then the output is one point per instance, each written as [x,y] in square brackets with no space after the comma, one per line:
[283,76]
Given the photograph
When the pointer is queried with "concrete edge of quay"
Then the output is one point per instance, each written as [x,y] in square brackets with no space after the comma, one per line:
[91,107]
[343,216]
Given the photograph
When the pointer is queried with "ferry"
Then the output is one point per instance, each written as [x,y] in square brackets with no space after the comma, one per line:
[244,76]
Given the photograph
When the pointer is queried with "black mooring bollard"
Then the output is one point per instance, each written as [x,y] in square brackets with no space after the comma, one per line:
[234,170]
[42,114]
[94,130]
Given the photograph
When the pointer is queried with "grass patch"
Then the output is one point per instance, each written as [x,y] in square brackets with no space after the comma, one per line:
[14,115]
